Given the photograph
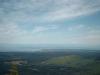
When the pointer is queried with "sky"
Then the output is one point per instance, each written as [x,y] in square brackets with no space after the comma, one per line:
[70,23]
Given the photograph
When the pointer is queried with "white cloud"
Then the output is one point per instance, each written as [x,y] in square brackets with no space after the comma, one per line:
[46,10]
[10,29]
[10,32]
[85,40]
[76,27]
[69,9]
[44,28]
[39,29]
[87,35]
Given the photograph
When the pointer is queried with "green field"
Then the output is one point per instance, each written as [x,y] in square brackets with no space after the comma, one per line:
[84,65]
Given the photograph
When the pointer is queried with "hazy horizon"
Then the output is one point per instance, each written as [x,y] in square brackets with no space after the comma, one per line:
[43,48]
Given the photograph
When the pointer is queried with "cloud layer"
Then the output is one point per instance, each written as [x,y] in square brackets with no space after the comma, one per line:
[40,21]
[46,10]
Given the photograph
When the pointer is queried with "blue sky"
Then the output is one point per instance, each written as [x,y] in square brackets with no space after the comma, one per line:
[74,23]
